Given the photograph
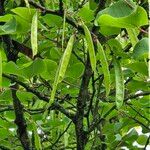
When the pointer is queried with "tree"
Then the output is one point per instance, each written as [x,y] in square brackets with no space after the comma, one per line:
[74,74]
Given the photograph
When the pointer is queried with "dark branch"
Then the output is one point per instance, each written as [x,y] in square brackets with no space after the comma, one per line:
[81,103]
[57,140]
[41,96]
[56,12]
[147,142]
[20,121]
[61,6]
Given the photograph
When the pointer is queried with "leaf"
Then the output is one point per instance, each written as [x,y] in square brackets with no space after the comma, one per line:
[140,67]
[107,30]
[33,68]
[5,18]
[50,70]
[133,36]
[75,70]
[105,67]
[86,14]
[25,13]
[131,136]
[119,83]
[50,21]
[9,27]
[93,4]
[90,47]
[61,70]
[24,96]
[4,133]
[116,47]
[122,15]
[11,68]
[142,139]
[141,49]
[34,27]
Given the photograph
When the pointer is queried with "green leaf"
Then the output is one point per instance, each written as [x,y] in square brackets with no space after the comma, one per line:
[131,136]
[141,49]
[142,139]
[119,84]
[93,4]
[133,36]
[25,13]
[34,27]
[107,30]
[116,47]
[11,68]
[140,67]
[5,18]
[50,21]
[61,69]
[50,70]
[75,70]
[9,27]
[33,68]
[22,25]
[122,15]
[90,47]
[4,133]
[24,96]
[105,67]
[86,14]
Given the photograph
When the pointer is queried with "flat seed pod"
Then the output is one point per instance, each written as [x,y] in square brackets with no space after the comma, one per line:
[90,47]
[61,70]
[105,67]
[119,84]
[34,27]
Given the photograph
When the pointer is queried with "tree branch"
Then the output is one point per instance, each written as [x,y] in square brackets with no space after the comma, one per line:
[94,124]
[41,96]
[147,142]
[57,140]
[61,6]
[20,121]
[137,95]
[81,103]
[57,13]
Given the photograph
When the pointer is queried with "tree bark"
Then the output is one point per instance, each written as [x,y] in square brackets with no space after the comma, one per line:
[83,97]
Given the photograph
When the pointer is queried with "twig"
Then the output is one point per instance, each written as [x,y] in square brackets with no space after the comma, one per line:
[41,96]
[81,103]
[56,12]
[57,140]
[137,121]
[138,113]
[147,142]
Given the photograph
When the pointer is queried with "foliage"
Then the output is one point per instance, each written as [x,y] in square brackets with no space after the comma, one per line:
[74,74]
